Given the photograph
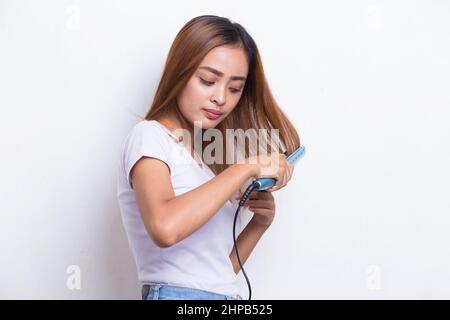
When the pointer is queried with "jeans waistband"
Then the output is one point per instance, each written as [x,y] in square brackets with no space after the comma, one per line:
[160,291]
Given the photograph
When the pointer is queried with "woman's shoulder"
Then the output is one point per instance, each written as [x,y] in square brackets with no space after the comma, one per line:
[145,125]
[147,133]
[149,128]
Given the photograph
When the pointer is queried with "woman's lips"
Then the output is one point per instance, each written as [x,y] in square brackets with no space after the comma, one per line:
[212,114]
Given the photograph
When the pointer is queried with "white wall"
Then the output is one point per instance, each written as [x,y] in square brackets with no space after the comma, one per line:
[365,82]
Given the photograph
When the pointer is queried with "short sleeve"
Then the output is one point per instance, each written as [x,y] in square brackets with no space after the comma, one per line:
[144,140]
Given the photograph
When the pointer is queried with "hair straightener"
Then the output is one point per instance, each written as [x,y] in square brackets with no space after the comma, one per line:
[260,184]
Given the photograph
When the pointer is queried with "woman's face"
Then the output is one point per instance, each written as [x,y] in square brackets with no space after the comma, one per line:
[217,85]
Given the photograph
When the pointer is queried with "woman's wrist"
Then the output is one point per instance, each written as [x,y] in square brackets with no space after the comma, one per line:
[251,170]
[261,221]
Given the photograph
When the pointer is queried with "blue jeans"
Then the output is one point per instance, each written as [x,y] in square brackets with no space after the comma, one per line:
[169,292]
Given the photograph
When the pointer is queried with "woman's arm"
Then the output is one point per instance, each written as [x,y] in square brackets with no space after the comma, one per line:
[169,218]
[246,242]
[262,204]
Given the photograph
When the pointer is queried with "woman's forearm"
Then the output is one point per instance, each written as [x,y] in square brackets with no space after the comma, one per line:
[187,212]
[246,242]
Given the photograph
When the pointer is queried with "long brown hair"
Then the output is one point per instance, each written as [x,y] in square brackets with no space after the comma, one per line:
[256,109]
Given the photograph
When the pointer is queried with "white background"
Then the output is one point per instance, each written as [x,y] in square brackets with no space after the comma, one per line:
[366,83]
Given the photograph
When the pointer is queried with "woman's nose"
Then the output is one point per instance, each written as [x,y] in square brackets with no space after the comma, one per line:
[219,97]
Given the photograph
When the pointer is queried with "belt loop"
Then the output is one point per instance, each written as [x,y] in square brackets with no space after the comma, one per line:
[151,290]
[156,288]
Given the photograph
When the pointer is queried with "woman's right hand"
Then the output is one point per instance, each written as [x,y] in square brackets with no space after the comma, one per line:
[272,165]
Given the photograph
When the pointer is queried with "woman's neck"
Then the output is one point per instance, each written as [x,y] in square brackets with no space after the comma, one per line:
[173,121]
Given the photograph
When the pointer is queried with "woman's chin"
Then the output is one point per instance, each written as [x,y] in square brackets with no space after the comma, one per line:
[207,123]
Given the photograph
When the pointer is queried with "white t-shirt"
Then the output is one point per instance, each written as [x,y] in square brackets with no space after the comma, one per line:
[202,259]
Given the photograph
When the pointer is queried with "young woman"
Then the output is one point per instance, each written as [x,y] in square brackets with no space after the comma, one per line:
[177,210]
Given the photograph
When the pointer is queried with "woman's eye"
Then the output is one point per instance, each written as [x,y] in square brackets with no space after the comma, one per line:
[208,83]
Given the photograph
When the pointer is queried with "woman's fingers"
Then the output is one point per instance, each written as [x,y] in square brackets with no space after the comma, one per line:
[286,175]
[290,171]
[261,195]
[264,194]
[266,204]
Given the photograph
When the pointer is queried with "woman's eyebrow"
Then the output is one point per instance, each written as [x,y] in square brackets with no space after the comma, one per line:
[220,74]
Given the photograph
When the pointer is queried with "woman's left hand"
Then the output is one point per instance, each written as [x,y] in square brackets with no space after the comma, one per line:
[262,204]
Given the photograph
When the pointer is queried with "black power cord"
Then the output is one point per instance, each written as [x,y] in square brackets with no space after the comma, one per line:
[244,198]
